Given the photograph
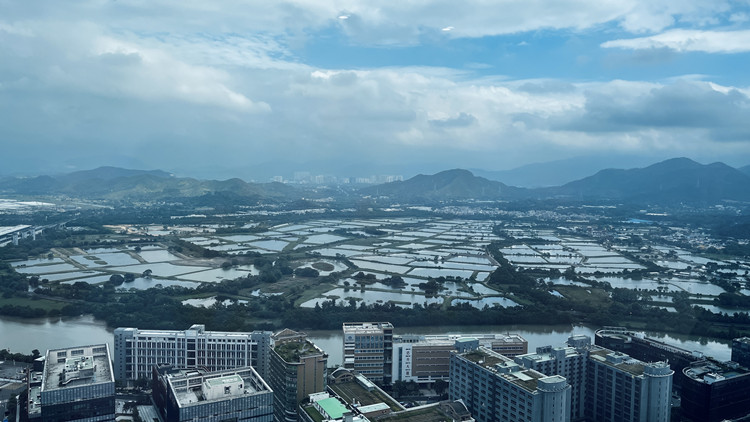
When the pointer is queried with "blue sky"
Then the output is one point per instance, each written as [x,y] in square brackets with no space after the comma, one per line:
[220,88]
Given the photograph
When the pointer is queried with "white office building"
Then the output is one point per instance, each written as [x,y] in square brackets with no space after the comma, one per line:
[138,351]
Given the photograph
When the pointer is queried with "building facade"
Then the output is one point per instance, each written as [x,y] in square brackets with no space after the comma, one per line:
[715,391]
[77,385]
[138,351]
[298,369]
[219,396]
[368,349]
[620,388]
[741,351]
[567,362]
[637,345]
[496,389]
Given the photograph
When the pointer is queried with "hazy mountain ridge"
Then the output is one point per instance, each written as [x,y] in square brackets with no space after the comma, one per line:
[454,184]
[122,184]
[678,180]
[673,180]
[560,172]
[745,169]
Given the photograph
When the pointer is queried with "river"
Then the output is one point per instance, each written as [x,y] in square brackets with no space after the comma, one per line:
[24,335]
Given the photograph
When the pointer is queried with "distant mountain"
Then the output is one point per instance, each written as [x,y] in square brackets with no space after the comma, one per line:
[143,185]
[674,180]
[444,186]
[745,169]
[109,173]
[559,172]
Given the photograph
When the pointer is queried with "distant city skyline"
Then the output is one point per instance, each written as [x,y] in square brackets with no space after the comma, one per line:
[228,88]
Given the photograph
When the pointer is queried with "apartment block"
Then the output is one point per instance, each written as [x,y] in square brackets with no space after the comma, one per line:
[568,362]
[620,388]
[496,389]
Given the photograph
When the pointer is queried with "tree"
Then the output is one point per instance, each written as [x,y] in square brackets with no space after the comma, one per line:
[116,279]
[440,387]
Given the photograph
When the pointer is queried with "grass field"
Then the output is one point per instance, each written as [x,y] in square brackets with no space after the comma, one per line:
[35,304]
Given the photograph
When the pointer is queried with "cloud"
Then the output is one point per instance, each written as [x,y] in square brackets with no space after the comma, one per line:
[382,22]
[461,120]
[716,113]
[230,83]
[685,40]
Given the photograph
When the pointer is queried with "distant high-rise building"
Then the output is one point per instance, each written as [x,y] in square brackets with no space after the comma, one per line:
[741,351]
[298,369]
[137,351]
[77,385]
[368,349]
[494,388]
[197,395]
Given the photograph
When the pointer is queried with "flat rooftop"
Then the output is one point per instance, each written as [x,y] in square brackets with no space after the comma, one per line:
[191,387]
[77,366]
[292,352]
[177,333]
[351,391]
[710,371]
[622,361]
[366,327]
[505,367]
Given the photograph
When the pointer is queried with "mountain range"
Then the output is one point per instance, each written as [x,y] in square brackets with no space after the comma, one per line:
[677,180]
[672,181]
[111,183]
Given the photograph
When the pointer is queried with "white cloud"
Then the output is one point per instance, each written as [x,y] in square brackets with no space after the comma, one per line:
[686,40]
[145,74]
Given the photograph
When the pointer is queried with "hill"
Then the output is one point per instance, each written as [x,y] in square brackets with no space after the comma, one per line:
[745,169]
[113,183]
[559,172]
[675,180]
[447,185]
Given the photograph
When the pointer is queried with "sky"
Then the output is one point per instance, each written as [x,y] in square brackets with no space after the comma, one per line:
[250,88]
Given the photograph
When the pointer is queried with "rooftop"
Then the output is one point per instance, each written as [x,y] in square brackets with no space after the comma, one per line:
[333,407]
[366,327]
[292,352]
[711,371]
[431,413]
[197,329]
[351,391]
[505,368]
[191,387]
[618,360]
[77,366]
